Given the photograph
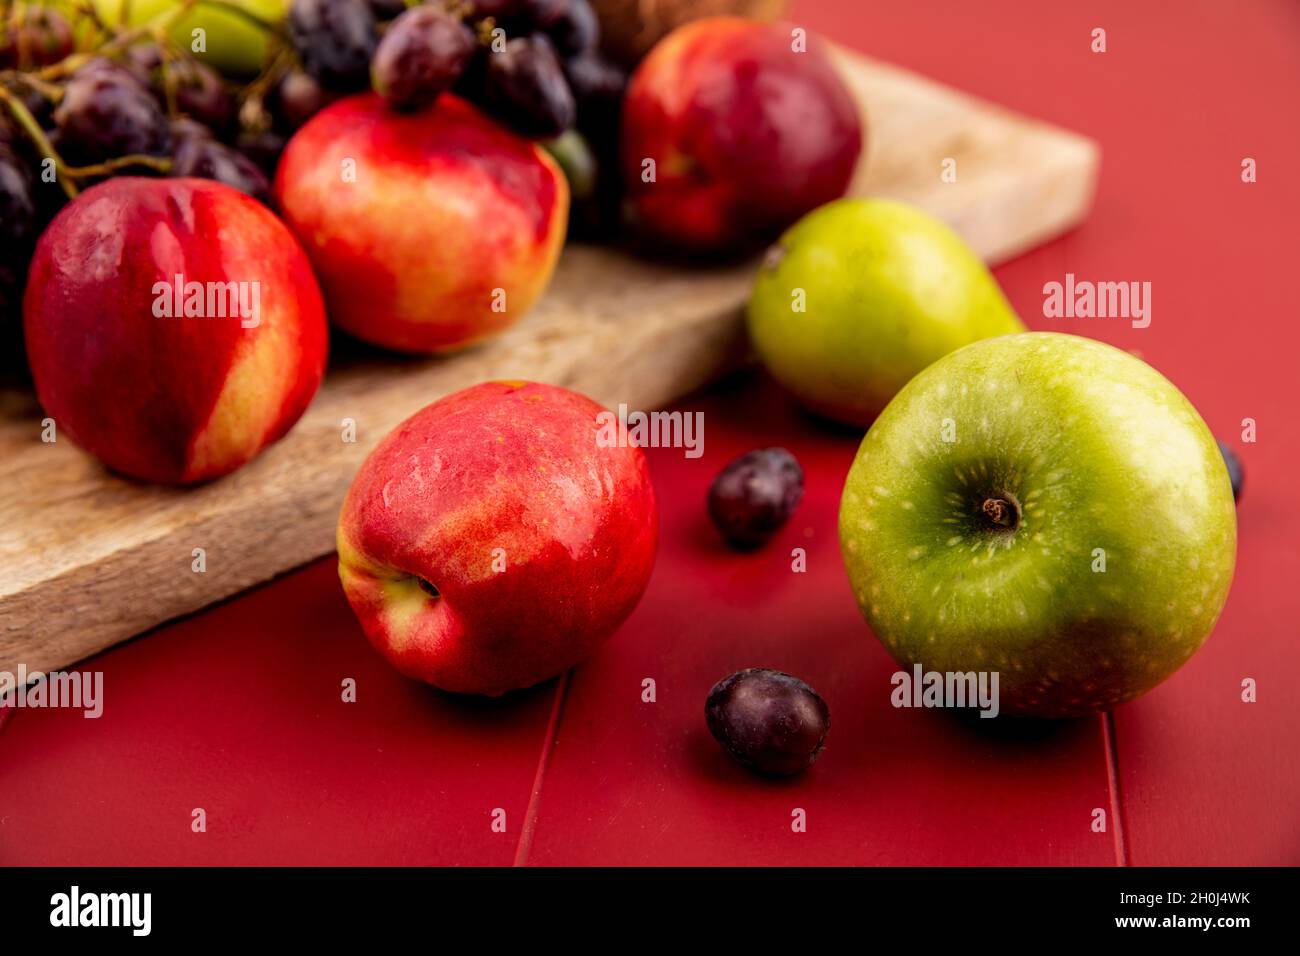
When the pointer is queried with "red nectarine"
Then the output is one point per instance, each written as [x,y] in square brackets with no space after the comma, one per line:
[429,230]
[173,326]
[732,130]
[493,540]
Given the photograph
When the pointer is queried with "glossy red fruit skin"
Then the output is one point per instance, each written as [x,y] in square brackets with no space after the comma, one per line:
[447,208]
[747,135]
[172,400]
[539,540]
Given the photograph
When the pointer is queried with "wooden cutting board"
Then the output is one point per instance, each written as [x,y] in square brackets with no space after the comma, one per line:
[88,559]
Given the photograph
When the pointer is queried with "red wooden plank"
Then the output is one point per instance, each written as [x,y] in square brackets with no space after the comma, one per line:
[643,783]
[238,711]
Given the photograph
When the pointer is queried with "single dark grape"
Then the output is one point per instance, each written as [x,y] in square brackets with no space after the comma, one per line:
[768,721]
[144,61]
[297,98]
[422,54]
[525,87]
[334,40]
[263,148]
[597,84]
[755,495]
[206,158]
[576,29]
[132,71]
[201,95]
[38,104]
[33,36]
[183,128]
[106,113]
[17,207]
[1235,472]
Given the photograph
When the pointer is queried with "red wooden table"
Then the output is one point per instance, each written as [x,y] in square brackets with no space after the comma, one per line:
[237,710]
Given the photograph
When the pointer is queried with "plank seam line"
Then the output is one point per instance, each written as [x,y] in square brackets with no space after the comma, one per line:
[1112,784]
[535,798]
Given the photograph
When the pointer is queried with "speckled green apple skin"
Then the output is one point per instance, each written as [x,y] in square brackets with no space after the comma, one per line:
[1101,451]
[888,289]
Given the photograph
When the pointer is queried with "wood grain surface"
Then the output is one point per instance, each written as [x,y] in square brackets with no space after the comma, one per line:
[88,559]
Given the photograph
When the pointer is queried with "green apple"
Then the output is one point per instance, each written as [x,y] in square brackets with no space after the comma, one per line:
[860,295]
[236,45]
[1046,507]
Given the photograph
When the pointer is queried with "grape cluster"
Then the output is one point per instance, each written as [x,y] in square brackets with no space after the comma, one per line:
[534,65]
[79,105]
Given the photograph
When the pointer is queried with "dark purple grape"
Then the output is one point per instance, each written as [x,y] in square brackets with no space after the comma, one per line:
[768,721]
[144,61]
[38,104]
[206,158]
[262,148]
[334,40]
[387,9]
[525,88]
[102,65]
[33,36]
[1236,474]
[105,113]
[755,495]
[183,128]
[422,54]
[201,95]
[597,85]
[17,208]
[576,30]
[297,98]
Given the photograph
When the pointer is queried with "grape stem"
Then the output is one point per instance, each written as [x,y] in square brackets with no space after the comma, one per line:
[50,91]
[24,118]
[252,113]
[110,166]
